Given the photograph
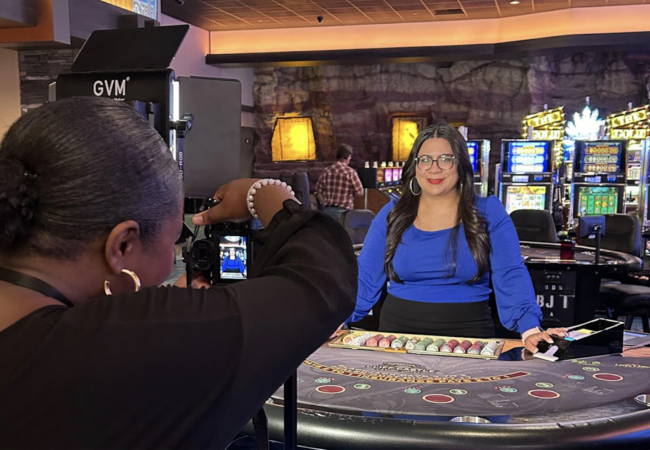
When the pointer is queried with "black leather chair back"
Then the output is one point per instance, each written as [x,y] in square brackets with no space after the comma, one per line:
[357,222]
[300,185]
[534,225]
[622,234]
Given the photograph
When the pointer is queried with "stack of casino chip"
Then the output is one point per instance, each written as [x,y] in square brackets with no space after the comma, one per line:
[399,342]
[385,342]
[489,349]
[423,344]
[360,340]
[436,345]
[427,344]
[475,349]
[410,344]
[463,347]
[449,346]
[374,341]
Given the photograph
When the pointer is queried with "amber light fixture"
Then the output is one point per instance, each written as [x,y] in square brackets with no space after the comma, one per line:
[405,130]
[293,139]
[125,4]
[148,8]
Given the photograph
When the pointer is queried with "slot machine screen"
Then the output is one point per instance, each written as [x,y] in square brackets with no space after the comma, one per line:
[528,156]
[473,148]
[380,176]
[388,175]
[600,157]
[397,174]
[525,197]
[597,200]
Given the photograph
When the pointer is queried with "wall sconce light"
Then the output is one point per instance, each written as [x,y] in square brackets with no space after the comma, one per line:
[293,139]
[405,131]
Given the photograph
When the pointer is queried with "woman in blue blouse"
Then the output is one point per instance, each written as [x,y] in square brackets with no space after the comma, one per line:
[438,246]
[232,263]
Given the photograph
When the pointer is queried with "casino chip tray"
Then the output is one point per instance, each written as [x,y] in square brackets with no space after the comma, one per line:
[419,344]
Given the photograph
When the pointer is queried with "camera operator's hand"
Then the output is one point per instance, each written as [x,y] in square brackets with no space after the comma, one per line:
[233,206]
[199,281]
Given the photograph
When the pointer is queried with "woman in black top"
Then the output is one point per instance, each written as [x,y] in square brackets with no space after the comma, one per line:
[89,195]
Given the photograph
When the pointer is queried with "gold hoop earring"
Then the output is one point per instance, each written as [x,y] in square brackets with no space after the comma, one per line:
[411,187]
[132,274]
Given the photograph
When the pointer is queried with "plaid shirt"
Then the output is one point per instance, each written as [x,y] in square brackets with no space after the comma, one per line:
[338,186]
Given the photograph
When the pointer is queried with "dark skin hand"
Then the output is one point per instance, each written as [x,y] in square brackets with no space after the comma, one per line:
[199,281]
[233,206]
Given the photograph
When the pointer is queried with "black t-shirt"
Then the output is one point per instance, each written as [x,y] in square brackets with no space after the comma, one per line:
[172,367]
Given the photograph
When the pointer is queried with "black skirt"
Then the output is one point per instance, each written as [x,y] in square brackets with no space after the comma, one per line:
[440,319]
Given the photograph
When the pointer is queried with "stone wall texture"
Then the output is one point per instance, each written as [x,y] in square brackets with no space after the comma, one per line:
[354,104]
[39,68]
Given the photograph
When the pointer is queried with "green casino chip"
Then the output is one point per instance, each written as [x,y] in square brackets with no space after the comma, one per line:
[544,385]
[509,390]
[591,369]
[323,380]
[576,377]
[458,391]
[362,386]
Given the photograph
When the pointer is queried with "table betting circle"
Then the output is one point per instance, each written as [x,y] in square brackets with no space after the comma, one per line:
[400,385]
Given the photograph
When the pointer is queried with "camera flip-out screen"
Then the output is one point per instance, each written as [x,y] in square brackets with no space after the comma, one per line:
[233,254]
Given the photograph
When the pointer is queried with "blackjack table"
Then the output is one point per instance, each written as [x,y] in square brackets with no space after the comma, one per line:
[358,399]
[567,287]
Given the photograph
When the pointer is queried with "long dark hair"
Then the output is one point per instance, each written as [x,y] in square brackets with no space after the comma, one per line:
[404,213]
[73,169]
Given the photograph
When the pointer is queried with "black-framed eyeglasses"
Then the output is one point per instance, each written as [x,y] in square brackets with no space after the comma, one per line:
[445,162]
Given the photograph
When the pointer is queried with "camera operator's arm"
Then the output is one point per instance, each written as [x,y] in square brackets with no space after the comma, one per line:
[303,285]
[233,207]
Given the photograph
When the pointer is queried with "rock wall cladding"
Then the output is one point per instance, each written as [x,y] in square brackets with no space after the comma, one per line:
[354,104]
[39,68]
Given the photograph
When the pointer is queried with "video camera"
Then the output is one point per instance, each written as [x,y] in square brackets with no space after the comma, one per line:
[225,255]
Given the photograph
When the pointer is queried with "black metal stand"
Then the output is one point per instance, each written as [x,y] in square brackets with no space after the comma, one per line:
[291,413]
[597,229]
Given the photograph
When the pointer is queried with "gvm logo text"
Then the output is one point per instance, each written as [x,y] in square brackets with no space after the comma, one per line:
[112,88]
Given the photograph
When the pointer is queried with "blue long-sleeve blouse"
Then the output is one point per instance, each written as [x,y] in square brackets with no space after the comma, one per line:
[234,264]
[422,264]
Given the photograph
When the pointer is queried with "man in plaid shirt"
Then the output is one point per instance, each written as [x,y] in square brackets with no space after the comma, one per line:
[339,184]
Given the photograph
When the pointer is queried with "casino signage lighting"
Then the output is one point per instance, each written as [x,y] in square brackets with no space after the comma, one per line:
[629,125]
[547,125]
[585,126]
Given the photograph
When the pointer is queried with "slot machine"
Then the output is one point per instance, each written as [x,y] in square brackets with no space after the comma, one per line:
[526,174]
[479,155]
[392,179]
[599,178]
[397,178]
